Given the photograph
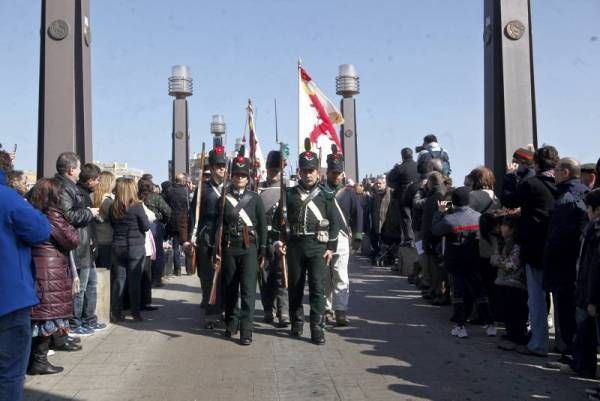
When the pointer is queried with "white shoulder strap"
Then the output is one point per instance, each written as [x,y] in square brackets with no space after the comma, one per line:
[310,205]
[243,215]
[313,208]
[216,190]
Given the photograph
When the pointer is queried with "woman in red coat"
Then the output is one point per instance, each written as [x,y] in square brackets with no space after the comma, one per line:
[54,280]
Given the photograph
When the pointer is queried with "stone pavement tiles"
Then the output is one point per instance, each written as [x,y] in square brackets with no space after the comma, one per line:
[396,348]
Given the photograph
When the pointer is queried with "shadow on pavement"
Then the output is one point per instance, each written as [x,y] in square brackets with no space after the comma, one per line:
[36,395]
[391,321]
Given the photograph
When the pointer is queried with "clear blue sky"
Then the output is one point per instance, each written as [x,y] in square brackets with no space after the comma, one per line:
[420,64]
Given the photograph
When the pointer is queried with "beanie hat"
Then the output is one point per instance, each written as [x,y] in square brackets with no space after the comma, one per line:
[460,196]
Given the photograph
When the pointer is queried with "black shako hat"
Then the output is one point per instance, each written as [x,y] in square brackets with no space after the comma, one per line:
[241,164]
[274,159]
[217,156]
[335,160]
[308,159]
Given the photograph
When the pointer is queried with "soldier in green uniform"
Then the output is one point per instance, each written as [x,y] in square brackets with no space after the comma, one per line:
[244,248]
[272,293]
[203,235]
[311,243]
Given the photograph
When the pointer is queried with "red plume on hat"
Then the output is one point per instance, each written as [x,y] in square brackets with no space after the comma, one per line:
[219,150]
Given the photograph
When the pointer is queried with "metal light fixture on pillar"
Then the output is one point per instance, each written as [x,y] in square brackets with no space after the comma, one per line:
[180,86]
[65,106]
[347,85]
[509,91]
[217,128]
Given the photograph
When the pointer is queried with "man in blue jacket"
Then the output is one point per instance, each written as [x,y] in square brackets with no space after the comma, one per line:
[21,227]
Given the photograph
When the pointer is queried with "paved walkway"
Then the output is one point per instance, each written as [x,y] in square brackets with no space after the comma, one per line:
[397,348]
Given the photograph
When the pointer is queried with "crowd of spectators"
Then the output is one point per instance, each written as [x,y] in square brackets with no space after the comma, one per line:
[522,255]
[500,255]
[55,235]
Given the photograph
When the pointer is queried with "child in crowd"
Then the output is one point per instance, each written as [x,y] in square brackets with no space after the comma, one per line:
[511,285]
[460,225]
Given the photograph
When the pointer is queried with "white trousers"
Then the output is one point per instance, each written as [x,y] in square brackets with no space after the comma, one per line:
[337,283]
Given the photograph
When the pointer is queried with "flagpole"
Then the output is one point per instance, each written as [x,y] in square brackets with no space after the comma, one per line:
[298,99]
[276,130]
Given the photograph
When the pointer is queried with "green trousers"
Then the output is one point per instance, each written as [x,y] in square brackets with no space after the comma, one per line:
[272,294]
[239,275]
[305,256]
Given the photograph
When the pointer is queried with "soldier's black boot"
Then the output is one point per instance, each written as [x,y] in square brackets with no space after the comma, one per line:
[246,338]
[38,362]
[297,328]
[317,335]
[340,318]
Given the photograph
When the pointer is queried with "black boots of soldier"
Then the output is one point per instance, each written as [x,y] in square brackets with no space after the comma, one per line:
[246,338]
[232,329]
[38,361]
[317,334]
[296,330]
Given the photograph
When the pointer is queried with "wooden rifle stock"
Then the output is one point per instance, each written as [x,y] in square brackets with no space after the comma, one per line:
[217,258]
[212,300]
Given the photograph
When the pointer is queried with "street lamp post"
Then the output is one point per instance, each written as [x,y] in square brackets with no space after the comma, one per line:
[65,106]
[347,85]
[510,120]
[180,86]
[217,128]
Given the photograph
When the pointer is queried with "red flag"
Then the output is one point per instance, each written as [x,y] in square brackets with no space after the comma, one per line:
[316,121]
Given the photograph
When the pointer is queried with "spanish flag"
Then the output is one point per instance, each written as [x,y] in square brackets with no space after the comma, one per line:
[317,116]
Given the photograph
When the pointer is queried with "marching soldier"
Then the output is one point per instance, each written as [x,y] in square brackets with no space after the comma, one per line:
[244,249]
[348,215]
[311,244]
[205,233]
[272,293]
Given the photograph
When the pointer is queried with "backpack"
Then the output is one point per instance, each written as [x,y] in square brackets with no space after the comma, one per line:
[437,154]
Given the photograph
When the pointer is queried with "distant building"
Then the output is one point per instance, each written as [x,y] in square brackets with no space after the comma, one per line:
[121,169]
[31,178]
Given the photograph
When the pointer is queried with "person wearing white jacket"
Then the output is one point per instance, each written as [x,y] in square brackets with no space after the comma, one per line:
[147,271]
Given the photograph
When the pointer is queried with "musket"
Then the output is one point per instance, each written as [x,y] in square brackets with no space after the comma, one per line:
[284,227]
[197,212]
[218,256]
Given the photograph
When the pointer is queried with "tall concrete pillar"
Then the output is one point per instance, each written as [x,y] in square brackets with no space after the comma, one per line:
[347,85]
[510,120]
[180,86]
[65,106]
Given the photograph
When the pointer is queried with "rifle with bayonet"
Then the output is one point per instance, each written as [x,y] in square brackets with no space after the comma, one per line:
[197,212]
[217,257]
